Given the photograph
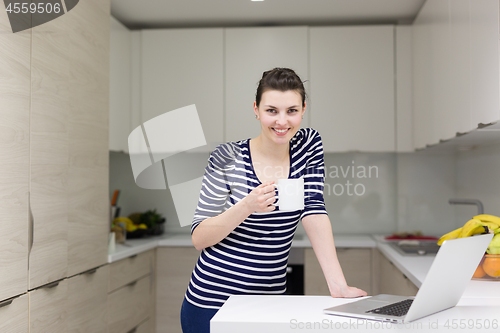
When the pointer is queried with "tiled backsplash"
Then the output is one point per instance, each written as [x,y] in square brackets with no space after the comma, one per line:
[368,193]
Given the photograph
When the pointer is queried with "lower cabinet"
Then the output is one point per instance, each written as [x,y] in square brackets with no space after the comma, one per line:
[87,301]
[14,314]
[392,280]
[131,294]
[75,304]
[174,266]
[48,308]
[356,265]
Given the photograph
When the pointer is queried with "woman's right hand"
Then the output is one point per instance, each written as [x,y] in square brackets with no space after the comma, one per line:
[261,199]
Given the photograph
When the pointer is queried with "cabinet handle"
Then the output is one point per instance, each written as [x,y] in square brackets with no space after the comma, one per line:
[131,284]
[151,278]
[90,271]
[31,224]
[5,303]
[51,285]
[133,330]
[132,256]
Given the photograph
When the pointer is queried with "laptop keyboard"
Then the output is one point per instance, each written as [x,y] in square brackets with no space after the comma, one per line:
[395,309]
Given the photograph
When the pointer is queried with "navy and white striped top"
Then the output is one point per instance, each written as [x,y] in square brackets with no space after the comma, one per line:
[252,259]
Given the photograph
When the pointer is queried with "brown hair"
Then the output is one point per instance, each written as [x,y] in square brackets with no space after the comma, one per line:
[282,79]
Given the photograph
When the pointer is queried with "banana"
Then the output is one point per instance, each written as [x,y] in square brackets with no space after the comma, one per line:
[472,227]
[494,247]
[490,219]
[451,235]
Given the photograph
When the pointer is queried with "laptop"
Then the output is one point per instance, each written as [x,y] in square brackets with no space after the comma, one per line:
[450,272]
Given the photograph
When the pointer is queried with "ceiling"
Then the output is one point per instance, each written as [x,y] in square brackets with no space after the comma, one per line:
[146,14]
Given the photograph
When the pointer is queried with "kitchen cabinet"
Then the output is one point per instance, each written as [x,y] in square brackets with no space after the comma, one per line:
[456,69]
[68,127]
[182,67]
[131,292]
[174,266]
[14,315]
[87,301]
[49,155]
[14,167]
[248,52]
[88,174]
[48,308]
[120,86]
[392,280]
[352,87]
[356,265]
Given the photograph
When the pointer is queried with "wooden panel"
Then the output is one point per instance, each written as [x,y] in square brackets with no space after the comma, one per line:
[145,327]
[357,268]
[173,271]
[14,150]
[88,136]
[87,302]
[352,87]
[14,317]
[392,281]
[49,151]
[314,280]
[248,53]
[48,309]
[181,67]
[129,306]
[124,271]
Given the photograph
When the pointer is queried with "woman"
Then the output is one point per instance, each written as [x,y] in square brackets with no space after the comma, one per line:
[245,240]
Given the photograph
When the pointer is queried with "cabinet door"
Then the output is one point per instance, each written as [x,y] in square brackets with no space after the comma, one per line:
[173,271]
[87,301]
[352,87]
[248,53]
[48,308]
[49,151]
[88,218]
[14,151]
[14,316]
[129,306]
[356,266]
[182,67]
[484,64]
[392,281]
[120,86]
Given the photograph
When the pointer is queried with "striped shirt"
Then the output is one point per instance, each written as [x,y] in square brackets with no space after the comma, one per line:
[252,259]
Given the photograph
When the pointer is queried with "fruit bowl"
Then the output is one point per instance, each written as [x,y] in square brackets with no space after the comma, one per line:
[489,268]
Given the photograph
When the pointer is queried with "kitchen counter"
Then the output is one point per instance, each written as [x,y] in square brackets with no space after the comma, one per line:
[416,267]
[277,314]
[136,246]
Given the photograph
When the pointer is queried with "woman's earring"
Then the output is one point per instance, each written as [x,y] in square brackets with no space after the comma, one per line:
[256,117]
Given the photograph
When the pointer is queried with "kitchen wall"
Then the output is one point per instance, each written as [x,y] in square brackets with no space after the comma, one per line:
[368,193]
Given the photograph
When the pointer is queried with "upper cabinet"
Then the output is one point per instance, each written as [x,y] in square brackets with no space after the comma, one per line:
[14,168]
[349,74]
[352,87]
[120,86]
[248,53]
[455,69]
[181,67]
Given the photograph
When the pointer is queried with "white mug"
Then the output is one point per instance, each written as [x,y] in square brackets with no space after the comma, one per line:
[290,194]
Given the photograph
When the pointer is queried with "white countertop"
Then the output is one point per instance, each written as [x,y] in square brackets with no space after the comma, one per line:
[416,267]
[136,246]
[277,314]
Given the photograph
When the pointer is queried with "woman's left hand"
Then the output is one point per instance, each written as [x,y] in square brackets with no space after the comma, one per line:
[347,292]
